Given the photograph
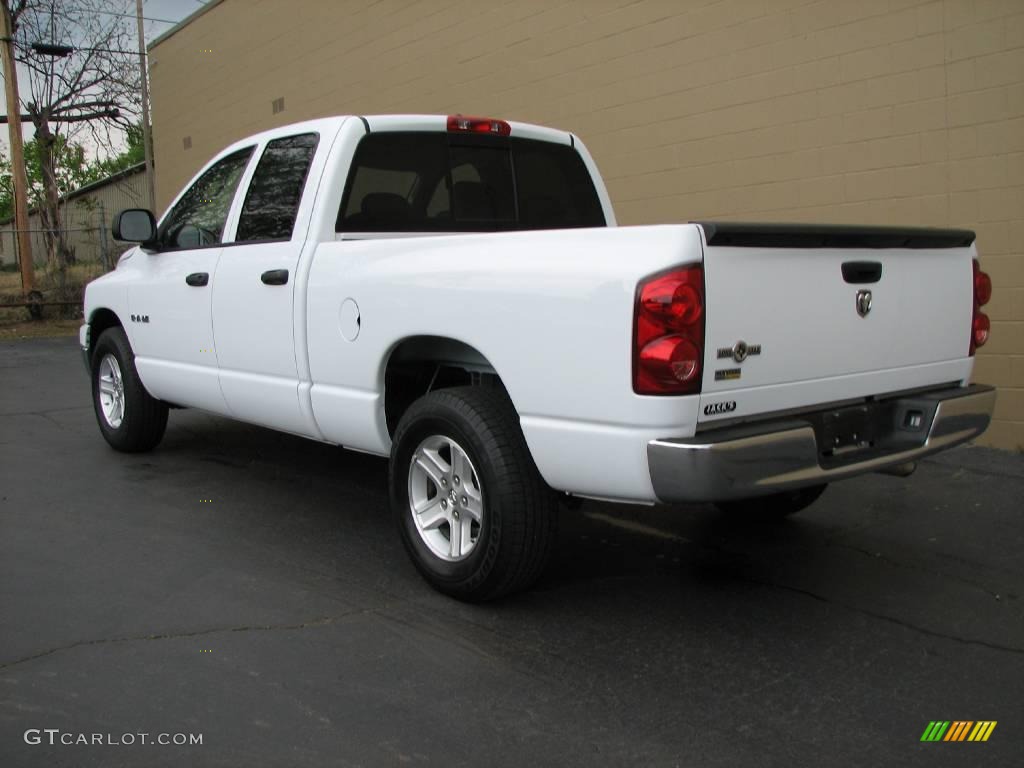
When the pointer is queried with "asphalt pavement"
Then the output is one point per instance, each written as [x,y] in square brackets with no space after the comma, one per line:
[250,588]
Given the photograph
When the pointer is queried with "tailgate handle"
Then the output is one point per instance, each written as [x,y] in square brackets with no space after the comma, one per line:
[858,272]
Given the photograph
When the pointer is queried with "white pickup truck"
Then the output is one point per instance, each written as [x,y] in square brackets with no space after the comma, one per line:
[452,292]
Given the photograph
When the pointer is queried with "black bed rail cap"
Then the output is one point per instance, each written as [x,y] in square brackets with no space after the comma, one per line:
[771,235]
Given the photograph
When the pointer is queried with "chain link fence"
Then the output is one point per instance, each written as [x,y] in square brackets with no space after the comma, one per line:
[89,249]
[89,253]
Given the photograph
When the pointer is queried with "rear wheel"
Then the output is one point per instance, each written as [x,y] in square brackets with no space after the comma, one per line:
[129,418]
[774,506]
[473,512]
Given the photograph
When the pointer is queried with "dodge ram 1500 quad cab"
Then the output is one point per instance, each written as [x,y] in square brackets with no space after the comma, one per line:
[453,292]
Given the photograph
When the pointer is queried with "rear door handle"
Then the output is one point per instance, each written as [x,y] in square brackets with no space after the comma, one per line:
[198,279]
[275,277]
[860,272]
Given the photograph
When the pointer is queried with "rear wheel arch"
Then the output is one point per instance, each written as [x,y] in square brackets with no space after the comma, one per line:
[420,364]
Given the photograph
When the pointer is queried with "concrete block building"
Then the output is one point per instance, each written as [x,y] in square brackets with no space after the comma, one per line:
[876,111]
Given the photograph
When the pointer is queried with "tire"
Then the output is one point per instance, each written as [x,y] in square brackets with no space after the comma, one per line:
[775,506]
[507,515]
[139,424]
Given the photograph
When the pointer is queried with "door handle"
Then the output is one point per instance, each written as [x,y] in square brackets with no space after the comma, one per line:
[198,279]
[858,272]
[275,277]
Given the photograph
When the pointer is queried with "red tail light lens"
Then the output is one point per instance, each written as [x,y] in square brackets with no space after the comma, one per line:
[982,286]
[980,324]
[488,125]
[668,335]
[670,360]
[979,334]
[672,303]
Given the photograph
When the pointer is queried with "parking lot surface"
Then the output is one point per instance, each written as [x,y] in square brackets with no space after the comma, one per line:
[250,587]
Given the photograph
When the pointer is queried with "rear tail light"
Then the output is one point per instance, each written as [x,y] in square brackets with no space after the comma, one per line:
[488,125]
[980,329]
[979,321]
[668,333]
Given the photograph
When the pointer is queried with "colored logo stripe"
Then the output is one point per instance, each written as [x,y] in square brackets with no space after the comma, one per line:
[982,730]
[958,730]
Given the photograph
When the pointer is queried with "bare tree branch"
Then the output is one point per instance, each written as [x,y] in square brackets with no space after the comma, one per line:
[82,105]
[107,113]
[16,10]
[94,89]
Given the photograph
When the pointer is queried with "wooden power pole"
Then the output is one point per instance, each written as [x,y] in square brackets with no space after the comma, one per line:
[17,152]
[147,138]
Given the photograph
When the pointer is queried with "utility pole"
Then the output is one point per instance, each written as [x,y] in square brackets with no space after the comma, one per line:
[147,138]
[17,151]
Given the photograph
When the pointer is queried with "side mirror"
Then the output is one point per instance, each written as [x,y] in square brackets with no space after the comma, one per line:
[135,225]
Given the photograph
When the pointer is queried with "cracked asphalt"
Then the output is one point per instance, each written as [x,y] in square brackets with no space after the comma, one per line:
[283,622]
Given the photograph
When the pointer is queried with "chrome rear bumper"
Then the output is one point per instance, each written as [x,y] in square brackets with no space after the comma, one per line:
[767,457]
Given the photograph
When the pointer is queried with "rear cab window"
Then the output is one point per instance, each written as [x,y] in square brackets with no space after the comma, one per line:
[439,182]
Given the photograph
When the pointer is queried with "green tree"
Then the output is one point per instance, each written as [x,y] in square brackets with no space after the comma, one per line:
[72,168]
[133,154]
[94,87]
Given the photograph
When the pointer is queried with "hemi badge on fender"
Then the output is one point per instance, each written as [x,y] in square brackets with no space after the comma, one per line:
[728,374]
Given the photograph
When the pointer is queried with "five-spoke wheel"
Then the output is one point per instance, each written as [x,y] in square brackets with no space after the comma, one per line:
[473,511]
[111,391]
[129,417]
[445,498]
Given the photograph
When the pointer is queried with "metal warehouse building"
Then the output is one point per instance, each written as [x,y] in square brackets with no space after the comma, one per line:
[85,217]
[875,111]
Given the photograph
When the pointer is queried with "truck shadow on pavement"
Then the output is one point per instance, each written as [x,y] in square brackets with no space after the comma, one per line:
[858,550]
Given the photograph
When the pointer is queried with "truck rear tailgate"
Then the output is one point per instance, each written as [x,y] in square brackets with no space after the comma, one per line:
[799,315]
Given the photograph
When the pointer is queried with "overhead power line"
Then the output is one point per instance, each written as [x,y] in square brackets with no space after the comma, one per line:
[124,15]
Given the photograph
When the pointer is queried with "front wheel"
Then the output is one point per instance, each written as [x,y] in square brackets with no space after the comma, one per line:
[774,506]
[130,419]
[473,512]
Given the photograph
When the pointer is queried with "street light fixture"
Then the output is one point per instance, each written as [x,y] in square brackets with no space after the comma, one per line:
[52,49]
[60,51]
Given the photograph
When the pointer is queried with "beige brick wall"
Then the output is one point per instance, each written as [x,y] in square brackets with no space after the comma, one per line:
[872,111]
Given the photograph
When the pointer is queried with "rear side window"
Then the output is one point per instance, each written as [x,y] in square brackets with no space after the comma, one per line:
[272,202]
[435,182]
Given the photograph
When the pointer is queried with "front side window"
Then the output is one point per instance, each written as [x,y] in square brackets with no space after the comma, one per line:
[435,182]
[272,202]
[198,217]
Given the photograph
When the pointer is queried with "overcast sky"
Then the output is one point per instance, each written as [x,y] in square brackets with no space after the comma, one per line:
[160,16]
[168,10]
